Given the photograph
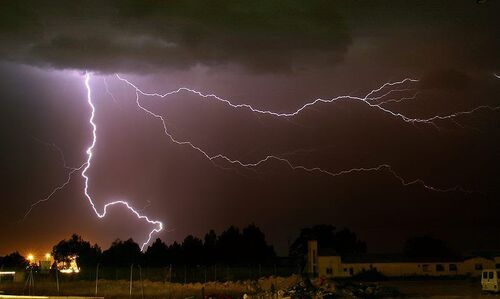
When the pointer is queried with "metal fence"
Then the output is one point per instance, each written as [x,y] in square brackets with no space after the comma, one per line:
[185,273]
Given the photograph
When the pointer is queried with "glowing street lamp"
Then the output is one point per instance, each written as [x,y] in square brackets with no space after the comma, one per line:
[31,258]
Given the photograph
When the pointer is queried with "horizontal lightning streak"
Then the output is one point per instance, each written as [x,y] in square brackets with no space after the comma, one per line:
[366,100]
[286,161]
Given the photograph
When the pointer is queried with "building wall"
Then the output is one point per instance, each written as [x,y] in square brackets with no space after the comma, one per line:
[474,266]
[471,266]
[312,258]
[332,266]
[406,268]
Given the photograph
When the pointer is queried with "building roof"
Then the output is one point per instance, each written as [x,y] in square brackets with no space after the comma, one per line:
[490,254]
[401,258]
[396,258]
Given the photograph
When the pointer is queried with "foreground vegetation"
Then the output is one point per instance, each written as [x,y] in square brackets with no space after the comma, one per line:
[149,289]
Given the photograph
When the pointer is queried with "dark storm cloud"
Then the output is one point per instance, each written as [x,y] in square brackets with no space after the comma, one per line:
[427,34]
[445,79]
[145,35]
[249,52]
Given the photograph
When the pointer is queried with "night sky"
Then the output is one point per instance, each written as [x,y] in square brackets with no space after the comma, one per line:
[273,55]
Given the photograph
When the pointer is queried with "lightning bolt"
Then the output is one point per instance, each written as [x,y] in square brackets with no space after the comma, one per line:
[366,100]
[268,158]
[158,224]
[372,99]
[86,166]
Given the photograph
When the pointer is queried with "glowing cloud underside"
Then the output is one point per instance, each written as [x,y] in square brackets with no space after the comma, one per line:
[375,99]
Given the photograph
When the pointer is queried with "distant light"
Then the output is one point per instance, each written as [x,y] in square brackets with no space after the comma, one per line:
[69,271]
[7,272]
[48,256]
[31,257]
[72,267]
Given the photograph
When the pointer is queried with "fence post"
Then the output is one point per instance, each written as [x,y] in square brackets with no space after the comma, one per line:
[57,280]
[96,278]
[185,273]
[170,273]
[215,272]
[30,282]
[142,282]
[131,271]
[33,281]
[205,274]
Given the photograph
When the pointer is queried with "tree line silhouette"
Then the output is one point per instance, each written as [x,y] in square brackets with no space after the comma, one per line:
[233,247]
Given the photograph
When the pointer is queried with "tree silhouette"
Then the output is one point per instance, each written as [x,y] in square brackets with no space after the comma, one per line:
[231,247]
[192,249]
[86,254]
[177,256]
[122,253]
[14,261]
[255,248]
[343,241]
[157,254]
[210,247]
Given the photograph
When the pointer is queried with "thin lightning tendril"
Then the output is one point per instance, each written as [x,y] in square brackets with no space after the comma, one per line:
[59,152]
[55,190]
[108,91]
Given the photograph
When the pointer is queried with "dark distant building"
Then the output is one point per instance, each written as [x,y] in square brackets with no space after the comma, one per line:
[326,263]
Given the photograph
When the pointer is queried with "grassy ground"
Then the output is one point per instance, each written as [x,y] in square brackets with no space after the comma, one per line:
[121,288]
[439,288]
